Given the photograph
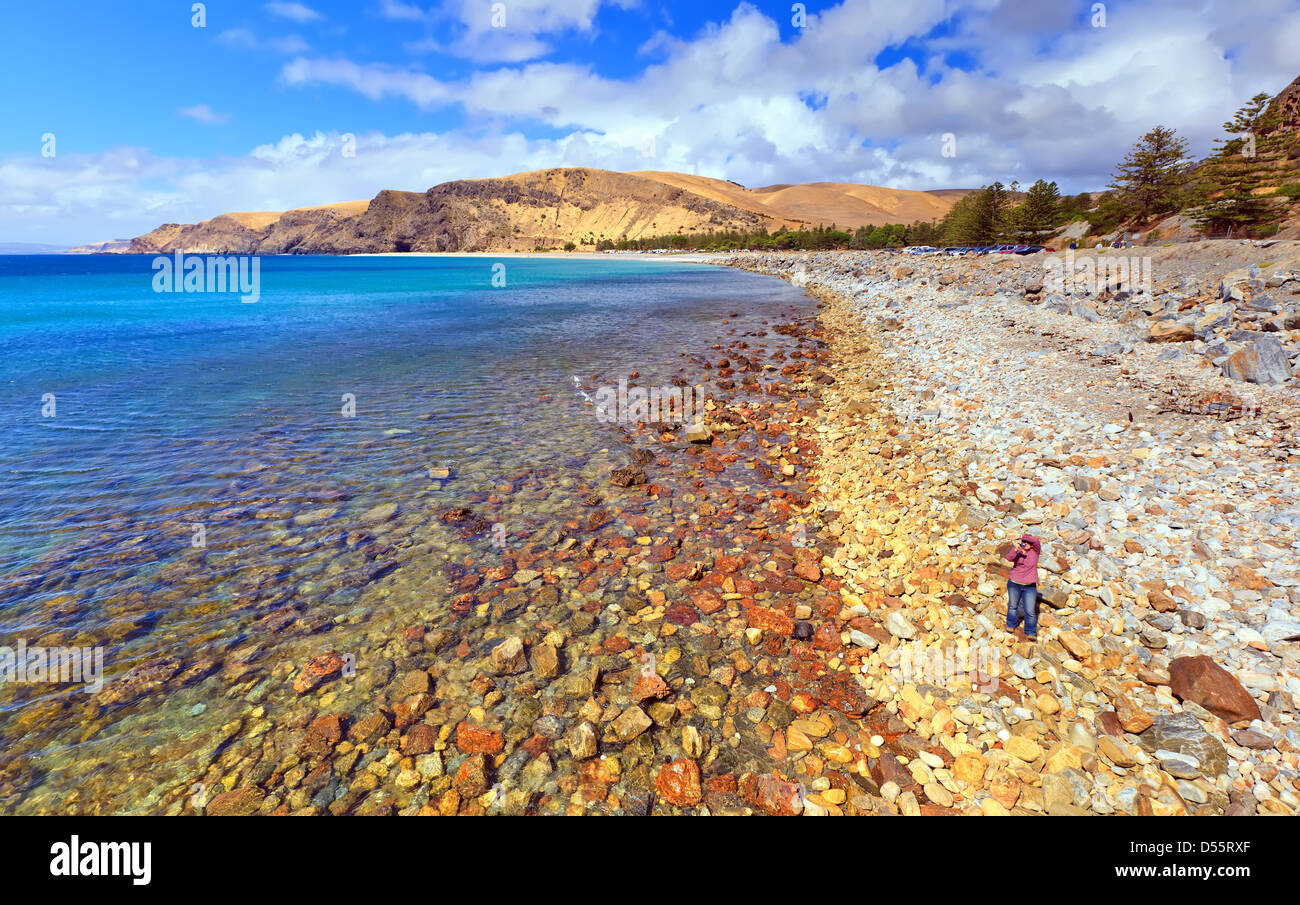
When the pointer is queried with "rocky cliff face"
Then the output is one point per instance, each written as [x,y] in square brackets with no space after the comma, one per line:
[517,213]
[1288,101]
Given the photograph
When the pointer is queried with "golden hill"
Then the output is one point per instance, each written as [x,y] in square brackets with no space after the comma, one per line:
[847,205]
[542,208]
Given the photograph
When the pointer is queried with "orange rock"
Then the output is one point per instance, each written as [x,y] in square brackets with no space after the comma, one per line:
[1131,716]
[804,703]
[678,783]
[477,740]
[808,571]
[770,620]
[707,602]
[1005,788]
[649,687]
[318,670]
[1247,579]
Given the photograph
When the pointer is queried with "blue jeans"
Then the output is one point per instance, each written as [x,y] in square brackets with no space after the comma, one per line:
[1022,602]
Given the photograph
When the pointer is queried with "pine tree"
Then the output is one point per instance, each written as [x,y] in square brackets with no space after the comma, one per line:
[980,218]
[1036,217]
[1245,162]
[1149,181]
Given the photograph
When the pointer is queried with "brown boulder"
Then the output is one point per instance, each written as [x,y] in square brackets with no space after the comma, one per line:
[419,739]
[1171,332]
[1201,680]
[627,477]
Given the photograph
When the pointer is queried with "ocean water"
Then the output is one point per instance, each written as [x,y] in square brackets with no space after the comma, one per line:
[227,489]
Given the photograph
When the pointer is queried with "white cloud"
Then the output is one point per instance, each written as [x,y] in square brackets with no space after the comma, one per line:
[1049,96]
[401,12]
[245,39]
[296,12]
[509,32]
[204,114]
[125,192]
[374,82]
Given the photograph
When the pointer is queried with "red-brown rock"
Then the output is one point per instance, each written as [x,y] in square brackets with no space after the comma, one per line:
[707,601]
[827,637]
[472,778]
[728,564]
[1107,723]
[419,739]
[678,783]
[808,571]
[318,670]
[772,793]
[239,802]
[323,734]
[770,620]
[842,692]
[1205,682]
[682,613]
[477,740]
[649,687]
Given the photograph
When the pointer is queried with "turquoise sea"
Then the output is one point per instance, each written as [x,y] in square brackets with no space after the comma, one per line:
[227,489]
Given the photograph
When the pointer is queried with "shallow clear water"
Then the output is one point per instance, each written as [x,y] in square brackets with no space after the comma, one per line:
[177,415]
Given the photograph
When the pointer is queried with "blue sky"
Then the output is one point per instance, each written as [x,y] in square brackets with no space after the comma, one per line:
[156,120]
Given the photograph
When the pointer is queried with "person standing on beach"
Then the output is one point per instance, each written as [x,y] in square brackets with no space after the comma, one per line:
[1022,585]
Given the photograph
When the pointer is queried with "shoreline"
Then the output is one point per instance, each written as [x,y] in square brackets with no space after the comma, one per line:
[930,464]
[489,676]
[687,257]
[743,622]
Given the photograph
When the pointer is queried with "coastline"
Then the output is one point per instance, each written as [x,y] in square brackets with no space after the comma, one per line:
[500,621]
[936,448]
[745,620]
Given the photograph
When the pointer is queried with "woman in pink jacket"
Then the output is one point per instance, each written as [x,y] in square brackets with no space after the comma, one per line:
[1022,585]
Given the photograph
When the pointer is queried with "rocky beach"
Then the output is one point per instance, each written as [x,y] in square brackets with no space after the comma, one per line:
[796,607]
[969,404]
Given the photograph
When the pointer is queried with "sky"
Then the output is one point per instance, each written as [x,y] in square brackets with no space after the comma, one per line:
[118,117]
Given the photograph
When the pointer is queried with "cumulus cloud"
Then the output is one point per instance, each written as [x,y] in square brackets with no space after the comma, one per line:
[124,192]
[1051,92]
[1025,89]
[505,32]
